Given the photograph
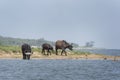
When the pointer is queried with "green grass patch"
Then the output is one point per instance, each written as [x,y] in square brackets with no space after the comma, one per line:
[36,50]
[16,49]
[9,49]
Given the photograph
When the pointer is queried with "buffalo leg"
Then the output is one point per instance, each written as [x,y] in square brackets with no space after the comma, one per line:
[28,57]
[49,53]
[24,56]
[56,51]
[65,53]
[62,52]
[43,51]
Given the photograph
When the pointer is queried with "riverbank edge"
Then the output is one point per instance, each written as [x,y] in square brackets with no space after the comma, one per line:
[53,56]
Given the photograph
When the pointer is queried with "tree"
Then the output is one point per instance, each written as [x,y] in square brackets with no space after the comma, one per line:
[89,44]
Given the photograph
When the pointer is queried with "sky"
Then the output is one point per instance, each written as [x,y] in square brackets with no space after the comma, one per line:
[76,21]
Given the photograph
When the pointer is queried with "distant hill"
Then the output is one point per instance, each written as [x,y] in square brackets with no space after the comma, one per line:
[33,42]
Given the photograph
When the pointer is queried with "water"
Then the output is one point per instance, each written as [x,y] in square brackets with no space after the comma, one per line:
[37,69]
[112,52]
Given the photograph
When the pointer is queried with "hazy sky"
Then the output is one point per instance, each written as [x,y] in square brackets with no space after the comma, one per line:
[77,21]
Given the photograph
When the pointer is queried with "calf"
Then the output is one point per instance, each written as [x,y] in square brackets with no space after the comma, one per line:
[47,47]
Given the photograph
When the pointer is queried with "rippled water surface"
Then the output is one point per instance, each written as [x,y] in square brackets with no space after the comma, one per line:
[37,69]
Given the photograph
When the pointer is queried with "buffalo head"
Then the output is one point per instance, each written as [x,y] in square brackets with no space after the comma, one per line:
[70,47]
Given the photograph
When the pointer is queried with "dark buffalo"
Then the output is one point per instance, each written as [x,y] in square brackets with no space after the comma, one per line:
[26,51]
[47,47]
[62,44]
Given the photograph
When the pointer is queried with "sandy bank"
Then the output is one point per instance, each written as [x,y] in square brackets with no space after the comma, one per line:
[53,56]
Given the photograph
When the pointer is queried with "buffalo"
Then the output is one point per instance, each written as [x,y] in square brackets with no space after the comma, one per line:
[62,44]
[47,47]
[26,51]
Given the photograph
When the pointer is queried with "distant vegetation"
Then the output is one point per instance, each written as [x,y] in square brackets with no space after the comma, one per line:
[8,41]
[10,49]
[13,45]
[15,49]
[89,44]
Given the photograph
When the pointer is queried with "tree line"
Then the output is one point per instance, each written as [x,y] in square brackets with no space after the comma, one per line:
[9,41]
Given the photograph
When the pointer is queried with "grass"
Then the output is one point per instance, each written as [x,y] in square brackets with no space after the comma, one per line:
[15,52]
[15,49]
[10,49]
[37,50]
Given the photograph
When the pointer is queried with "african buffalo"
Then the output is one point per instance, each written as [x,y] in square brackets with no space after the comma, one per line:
[62,44]
[47,47]
[26,51]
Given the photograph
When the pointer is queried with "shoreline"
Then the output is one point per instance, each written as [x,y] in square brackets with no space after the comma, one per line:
[37,55]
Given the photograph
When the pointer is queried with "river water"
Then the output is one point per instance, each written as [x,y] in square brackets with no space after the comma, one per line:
[40,69]
[112,52]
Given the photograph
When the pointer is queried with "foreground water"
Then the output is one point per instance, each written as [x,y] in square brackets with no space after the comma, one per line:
[36,69]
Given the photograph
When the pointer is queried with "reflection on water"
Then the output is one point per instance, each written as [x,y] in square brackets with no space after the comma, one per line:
[16,69]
